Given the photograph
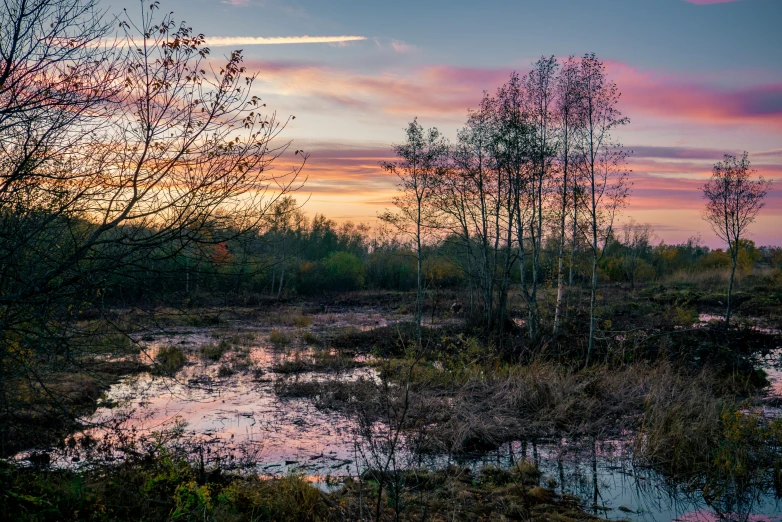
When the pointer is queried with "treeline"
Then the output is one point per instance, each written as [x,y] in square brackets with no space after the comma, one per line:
[292,255]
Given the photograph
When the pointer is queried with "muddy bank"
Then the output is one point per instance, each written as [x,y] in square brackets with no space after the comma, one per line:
[55,404]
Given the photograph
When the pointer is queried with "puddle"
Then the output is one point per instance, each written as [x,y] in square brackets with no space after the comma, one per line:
[613,487]
[704,319]
[238,413]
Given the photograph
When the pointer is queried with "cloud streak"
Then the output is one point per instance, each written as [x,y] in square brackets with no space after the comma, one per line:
[447,91]
[439,91]
[709,2]
[227,41]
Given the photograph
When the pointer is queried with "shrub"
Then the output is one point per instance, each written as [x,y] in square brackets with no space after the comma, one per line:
[344,271]
[169,360]
[215,352]
[311,339]
[279,339]
[301,321]
[225,371]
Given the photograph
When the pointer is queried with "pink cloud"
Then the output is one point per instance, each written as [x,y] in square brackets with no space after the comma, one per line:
[440,91]
[447,92]
[684,99]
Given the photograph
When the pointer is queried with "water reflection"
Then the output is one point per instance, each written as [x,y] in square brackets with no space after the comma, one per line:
[240,414]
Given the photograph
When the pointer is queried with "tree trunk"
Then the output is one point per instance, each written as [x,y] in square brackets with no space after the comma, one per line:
[592,300]
[730,289]
[282,273]
[561,257]
[573,247]
[419,297]
[560,289]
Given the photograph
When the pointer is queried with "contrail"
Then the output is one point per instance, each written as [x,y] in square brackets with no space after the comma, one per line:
[224,41]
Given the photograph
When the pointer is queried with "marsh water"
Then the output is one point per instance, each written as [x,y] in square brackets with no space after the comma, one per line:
[240,417]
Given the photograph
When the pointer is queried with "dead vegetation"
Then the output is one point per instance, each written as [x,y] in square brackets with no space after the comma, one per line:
[459,494]
[317,361]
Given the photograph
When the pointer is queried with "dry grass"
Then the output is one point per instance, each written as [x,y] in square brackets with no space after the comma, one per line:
[280,339]
[531,402]
[292,317]
[681,423]
[320,361]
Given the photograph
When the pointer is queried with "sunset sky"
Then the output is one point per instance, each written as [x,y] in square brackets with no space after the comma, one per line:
[699,78]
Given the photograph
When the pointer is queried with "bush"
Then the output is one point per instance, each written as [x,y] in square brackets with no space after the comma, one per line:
[169,360]
[215,352]
[343,271]
[311,339]
[301,321]
[279,338]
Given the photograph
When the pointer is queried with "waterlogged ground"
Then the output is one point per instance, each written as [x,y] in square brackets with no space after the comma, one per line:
[612,486]
[228,406]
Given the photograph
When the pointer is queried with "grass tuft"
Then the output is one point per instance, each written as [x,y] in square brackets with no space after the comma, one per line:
[169,360]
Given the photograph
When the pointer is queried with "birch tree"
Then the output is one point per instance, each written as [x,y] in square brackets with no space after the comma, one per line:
[541,102]
[606,183]
[568,125]
[733,200]
[422,158]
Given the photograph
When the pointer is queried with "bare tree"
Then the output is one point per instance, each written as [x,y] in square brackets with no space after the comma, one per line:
[605,178]
[568,123]
[467,194]
[733,200]
[422,158]
[112,157]
[515,200]
[541,99]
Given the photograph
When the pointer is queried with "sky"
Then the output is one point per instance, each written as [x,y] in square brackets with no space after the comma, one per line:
[699,79]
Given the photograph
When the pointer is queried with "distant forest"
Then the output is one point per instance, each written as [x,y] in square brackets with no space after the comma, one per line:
[294,255]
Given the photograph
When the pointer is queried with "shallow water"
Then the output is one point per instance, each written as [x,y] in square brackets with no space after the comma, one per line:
[239,414]
[240,417]
[613,487]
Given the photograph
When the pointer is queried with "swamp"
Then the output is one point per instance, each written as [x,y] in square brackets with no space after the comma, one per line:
[318,408]
[196,325]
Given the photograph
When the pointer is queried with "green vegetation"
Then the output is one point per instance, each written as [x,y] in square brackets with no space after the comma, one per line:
[169,360]
[166,486]
[214,352]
